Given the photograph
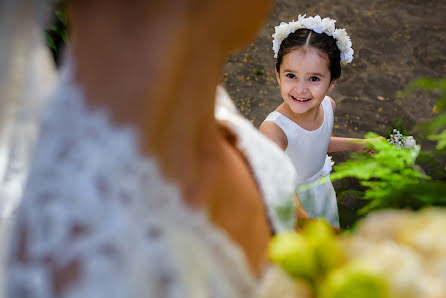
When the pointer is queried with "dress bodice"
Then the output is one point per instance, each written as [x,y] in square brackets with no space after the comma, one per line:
[93,201]
[306,149]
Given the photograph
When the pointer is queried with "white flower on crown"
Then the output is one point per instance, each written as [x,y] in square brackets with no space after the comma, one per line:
[314,23]
[347,56]
[339,33]
[329,26]
[344,43]
[318,25]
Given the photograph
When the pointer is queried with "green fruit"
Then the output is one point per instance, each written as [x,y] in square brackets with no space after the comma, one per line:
[292,252]
[323,242]
[354,281]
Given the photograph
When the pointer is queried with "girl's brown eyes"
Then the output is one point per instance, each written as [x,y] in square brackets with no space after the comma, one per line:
[312,79]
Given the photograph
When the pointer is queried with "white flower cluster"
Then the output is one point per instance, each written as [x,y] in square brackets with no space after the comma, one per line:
[318,25]
[407,248]
[400,140]
[328,166]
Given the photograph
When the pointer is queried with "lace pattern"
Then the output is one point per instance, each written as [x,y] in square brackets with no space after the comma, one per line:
[93,202]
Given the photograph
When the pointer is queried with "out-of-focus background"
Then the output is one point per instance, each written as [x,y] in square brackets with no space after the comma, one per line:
[399,45]
[395,43]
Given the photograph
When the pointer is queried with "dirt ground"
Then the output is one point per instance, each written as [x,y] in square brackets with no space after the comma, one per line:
[395,42]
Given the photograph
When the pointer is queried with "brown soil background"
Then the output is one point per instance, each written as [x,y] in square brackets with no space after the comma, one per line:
[395,42]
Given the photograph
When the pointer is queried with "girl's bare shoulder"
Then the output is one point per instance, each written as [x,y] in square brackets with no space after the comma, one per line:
[275,133]
[333,104]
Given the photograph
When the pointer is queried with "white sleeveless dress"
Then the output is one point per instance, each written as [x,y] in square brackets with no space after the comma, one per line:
[308,152]
[93,200]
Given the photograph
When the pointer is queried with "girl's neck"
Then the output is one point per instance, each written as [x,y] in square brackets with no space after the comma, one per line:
[164,84]
[311,120]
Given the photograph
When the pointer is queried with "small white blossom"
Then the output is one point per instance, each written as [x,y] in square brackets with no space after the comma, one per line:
[295,26]
[410,142]
[347,56]
[329,26]
[328,166]
[314,23]
[344,43]
[339,33]
[401,141]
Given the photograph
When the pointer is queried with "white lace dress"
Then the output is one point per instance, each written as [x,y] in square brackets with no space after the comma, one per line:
[93,202]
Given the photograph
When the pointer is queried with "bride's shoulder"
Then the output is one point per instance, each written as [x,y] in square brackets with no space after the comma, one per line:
[272,170]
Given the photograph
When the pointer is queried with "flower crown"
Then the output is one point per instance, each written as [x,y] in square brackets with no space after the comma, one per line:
[318,25]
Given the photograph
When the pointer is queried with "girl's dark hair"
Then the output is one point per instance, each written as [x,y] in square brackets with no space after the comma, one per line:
[321,41]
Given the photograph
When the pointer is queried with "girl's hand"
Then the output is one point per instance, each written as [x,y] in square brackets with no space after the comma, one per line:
[364,145]
[337,231]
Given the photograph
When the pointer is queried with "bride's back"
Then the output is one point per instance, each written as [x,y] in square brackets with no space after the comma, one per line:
[156,66]
[135,189]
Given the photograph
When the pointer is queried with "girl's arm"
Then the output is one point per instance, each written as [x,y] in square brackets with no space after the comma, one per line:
[300,210]
[347,144]
[350,144]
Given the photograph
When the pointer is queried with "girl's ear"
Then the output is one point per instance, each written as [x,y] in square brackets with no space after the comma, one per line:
[332,85]
[277,76]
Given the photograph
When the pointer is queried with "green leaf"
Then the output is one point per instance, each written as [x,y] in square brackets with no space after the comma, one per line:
[258,71]
[50,42]
[64,36]
[53,28]
[441,138]
[61,16]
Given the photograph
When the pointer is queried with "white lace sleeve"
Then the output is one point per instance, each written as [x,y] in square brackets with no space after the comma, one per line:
[272,169]
[98,220]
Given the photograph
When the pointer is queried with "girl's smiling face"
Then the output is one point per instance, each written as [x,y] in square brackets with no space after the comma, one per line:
[304,80]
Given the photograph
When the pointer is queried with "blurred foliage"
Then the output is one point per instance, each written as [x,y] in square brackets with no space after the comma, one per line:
[56,34]
[395,178]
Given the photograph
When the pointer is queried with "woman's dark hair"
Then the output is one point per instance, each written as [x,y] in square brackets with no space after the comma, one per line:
[321,41]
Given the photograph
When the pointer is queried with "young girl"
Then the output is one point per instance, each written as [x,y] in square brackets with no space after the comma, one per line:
[309,54]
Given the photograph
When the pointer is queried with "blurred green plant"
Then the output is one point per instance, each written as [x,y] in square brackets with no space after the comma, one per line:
[436,128]
[257,71]
[392,176]
[56,34]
